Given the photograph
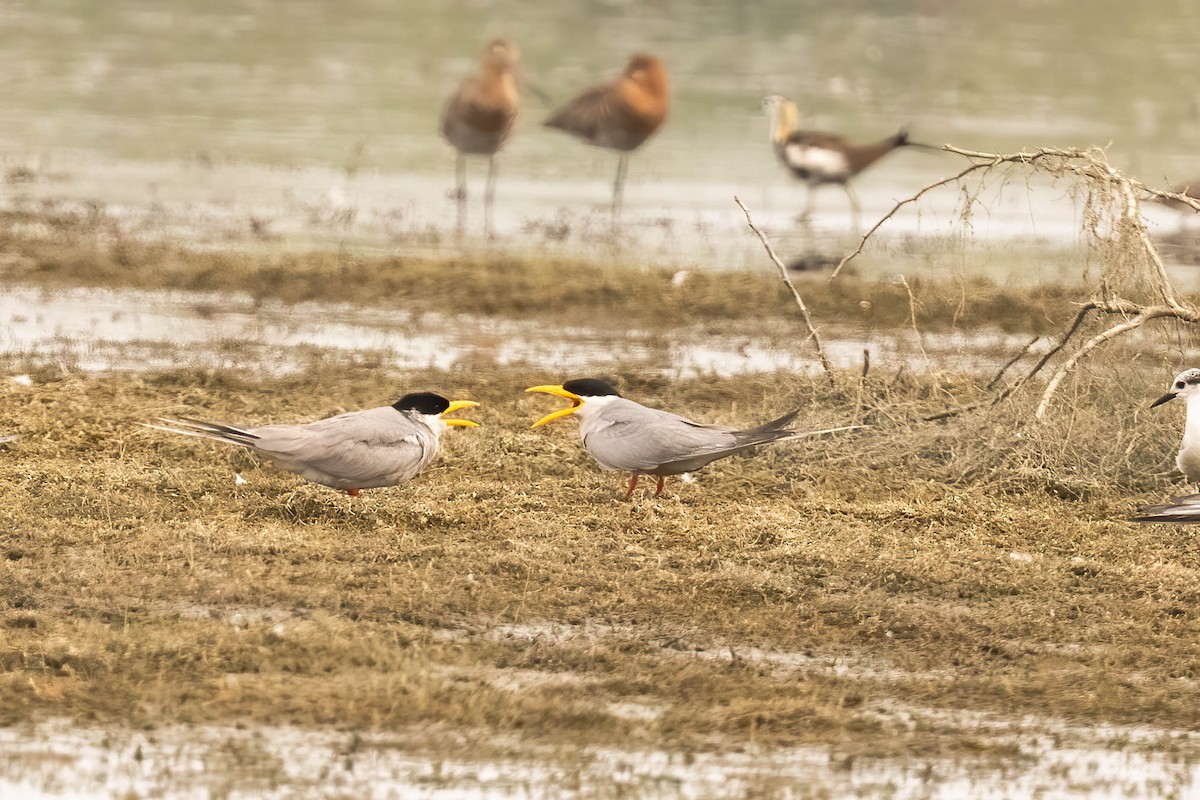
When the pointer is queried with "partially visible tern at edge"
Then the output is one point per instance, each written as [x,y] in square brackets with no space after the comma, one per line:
[1185,509]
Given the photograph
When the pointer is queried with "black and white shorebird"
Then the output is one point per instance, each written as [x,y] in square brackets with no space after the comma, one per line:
[366,449]
[820,158]
[1186,386]
[628,437]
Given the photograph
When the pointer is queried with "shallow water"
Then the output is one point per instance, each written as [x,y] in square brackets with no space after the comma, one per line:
[105,330]
[55,759]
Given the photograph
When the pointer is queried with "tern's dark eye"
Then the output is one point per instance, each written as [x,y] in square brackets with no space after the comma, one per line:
[1179,385]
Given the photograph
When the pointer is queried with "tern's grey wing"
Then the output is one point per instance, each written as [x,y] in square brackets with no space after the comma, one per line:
[360,450]
[630,437]
[1181,511]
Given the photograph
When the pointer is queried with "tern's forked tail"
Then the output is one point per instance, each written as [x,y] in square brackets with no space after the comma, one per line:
[205,430]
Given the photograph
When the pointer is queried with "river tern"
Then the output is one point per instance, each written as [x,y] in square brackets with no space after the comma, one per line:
[365,449]
[626,436]
[1186,385]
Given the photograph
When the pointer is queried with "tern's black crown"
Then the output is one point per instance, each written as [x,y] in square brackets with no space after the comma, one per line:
[590,387]
[423,403]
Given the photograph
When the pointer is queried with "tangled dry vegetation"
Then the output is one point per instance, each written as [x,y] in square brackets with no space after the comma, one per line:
[1133,284]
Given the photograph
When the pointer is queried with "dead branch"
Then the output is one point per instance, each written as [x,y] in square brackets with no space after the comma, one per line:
[783,273]
[1090,166]
[912,316]
[1008,364]
[982,162]
[1049,354]
[1141,318]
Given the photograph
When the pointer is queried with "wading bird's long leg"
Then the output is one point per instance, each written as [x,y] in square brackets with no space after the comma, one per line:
[658,491]
[806,215]
[633,480]
[460,191]
[855,209]
[619,187]
[488,196]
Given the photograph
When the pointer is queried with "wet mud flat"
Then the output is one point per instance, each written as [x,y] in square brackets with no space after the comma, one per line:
[56,758]
[99,330]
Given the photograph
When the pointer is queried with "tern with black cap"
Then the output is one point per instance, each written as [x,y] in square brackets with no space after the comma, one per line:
[1186,385]
[366,449]
[626,436]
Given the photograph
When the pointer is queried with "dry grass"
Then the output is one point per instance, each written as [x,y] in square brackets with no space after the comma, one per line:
[980,563]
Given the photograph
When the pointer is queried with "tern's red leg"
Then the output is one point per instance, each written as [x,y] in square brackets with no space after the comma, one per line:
[633,479]
[353,492]
[658,491]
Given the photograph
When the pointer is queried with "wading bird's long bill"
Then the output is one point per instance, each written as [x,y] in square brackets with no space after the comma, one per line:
[458,405]
[576,402]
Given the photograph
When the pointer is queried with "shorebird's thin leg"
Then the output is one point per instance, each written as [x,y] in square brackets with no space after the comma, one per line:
[460,191]
[855,208]
[619,187]
[633,480]
[658,491]
[805,216]
[489,196]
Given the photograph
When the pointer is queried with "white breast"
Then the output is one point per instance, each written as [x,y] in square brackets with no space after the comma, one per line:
[821,163]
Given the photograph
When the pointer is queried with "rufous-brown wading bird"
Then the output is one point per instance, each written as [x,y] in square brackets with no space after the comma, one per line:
[620,114]
[479,117]
[818,158]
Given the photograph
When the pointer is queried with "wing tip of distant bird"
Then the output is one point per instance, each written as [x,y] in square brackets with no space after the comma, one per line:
[1183,510]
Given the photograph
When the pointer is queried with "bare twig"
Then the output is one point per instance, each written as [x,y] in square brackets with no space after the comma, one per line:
[983,161]
[1049,354]
[812,330]
[1140,319]
[866,236]
[912,316]
[1008,364]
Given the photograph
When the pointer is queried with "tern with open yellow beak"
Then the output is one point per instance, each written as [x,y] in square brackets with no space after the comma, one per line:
[627,436]
[366,449]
